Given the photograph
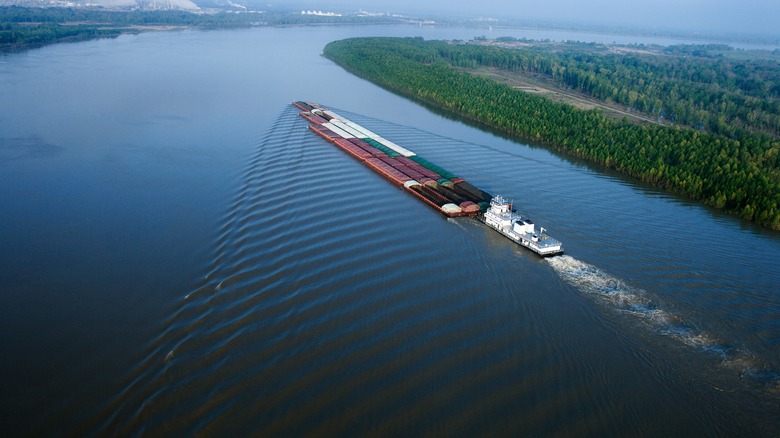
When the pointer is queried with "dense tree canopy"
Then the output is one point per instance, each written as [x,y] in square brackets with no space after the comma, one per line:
[739,173]
[17,35]
[22,28]
[690,85]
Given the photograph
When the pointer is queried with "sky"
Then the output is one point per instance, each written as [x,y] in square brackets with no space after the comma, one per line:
[722,16]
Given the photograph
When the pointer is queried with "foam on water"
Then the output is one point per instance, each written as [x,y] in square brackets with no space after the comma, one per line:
[624,298]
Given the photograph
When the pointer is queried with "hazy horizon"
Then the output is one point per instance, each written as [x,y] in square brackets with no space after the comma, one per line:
[752,17]
[716,16]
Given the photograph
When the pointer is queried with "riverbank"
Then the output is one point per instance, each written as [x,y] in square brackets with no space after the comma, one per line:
[737,175]
[28,28]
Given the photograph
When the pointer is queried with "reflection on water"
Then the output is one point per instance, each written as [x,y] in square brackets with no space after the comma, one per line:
[25,147]
[339,304]
[326,300]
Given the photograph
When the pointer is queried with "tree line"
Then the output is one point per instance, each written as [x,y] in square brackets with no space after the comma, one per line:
[695,86]
[22,35]
[738,174]
[22,28]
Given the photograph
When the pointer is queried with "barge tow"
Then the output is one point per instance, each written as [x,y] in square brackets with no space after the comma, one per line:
[450,195]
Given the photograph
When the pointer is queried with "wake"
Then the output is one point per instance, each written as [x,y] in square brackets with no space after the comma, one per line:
[622,297]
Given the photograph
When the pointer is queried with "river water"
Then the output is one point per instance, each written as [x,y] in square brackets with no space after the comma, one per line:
[181,255]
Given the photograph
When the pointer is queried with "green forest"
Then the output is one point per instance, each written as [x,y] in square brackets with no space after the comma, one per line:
[734,167]
[22,28]
[706,87]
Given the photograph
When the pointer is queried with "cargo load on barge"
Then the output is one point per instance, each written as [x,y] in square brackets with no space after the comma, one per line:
[449,194]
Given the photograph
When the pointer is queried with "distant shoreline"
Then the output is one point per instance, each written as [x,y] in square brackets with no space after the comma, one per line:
[24,28]
[83,33]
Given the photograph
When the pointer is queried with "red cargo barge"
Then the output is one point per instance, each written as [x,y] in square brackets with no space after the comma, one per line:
[451,196]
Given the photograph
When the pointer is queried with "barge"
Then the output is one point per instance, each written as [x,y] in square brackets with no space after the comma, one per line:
[449,194]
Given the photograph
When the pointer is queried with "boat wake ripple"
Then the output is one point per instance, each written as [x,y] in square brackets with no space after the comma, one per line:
[304,316]
[311,324]
[624,298]
[590,280]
